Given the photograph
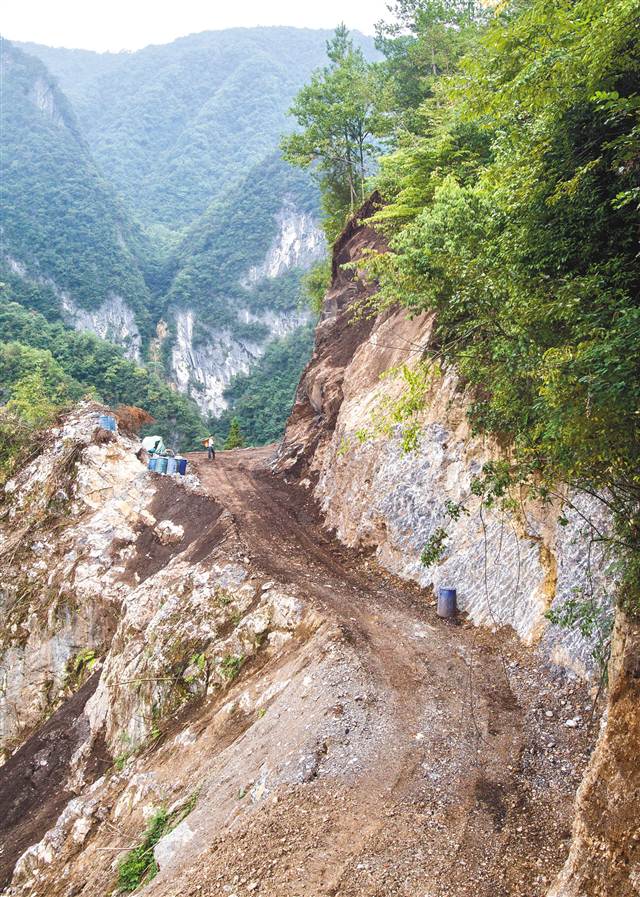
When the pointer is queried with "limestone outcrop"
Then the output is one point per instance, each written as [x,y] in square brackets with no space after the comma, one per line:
[343,437]
[346,442]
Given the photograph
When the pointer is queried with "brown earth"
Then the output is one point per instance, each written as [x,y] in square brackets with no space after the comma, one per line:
[340,333]
[32,792]
[427,758]
[472,788]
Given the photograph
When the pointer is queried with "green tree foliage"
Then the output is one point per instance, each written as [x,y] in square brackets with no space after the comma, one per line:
[31,400]
[514,214]
[69,364]
[235,439]
[62,229]
[173,127]
[17,441]
[33,389]
[262,399]
[315,284]
[336,114]
[424,41]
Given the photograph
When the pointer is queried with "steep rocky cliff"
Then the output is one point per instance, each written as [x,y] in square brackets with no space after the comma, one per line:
[113,321]
[377,492]
[605,853]
[206,354]
[68,246]
[345,438]
[221,273]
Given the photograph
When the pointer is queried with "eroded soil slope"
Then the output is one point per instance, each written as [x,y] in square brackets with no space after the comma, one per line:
[460,773]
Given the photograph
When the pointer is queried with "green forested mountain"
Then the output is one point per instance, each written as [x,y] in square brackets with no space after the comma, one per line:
[60,365]
[161,186]
[144,194]
[172,127]
[233,235]
[63,230]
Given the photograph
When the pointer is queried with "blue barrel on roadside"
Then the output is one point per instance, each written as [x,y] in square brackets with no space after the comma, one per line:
[172,465]
[107,422]
[447,603]
[152,464]
[182,466]
[161,465]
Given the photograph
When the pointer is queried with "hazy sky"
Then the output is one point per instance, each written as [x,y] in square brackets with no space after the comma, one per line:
[131,24]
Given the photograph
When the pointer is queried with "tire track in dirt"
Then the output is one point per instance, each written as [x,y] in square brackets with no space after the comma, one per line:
[380,618]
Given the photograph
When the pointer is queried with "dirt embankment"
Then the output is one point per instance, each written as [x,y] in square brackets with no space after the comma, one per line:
[508,571]
[362,746]
[339,334]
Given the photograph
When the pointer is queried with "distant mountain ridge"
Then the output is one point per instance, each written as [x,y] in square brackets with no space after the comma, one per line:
[67,242]
[172,126]
[156,212]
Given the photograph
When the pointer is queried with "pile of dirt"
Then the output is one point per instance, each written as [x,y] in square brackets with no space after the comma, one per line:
[197,515]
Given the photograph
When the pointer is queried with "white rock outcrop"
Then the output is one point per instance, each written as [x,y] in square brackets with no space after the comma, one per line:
[59,587]
[42,95]
[298,243]
[113,321]
[205,368]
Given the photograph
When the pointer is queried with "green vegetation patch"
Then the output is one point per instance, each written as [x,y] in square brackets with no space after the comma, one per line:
[231,665]
[139,866]
[261,400]
[45,366]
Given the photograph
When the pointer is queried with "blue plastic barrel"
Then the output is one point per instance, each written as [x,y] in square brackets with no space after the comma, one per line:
[161,465]
[152,464]
[446,603]
[182,466]
[172,465]
[107,422]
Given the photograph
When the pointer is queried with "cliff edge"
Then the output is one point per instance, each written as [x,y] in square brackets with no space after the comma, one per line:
[347,442]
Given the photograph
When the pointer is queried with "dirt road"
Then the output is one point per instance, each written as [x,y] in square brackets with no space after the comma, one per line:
[471,790]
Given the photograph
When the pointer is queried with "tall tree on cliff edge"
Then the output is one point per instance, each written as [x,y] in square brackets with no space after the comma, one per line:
[336,113]
[424,41]
[513,213]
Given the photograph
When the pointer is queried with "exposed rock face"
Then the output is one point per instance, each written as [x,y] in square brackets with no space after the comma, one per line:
[43,95]
[204,369]
[507,569]
[140,579]
[60,582]
[298,243]
[113,321]
[605,854]
[16,267]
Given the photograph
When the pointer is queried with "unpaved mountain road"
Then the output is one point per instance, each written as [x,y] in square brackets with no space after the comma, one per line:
[469,784]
